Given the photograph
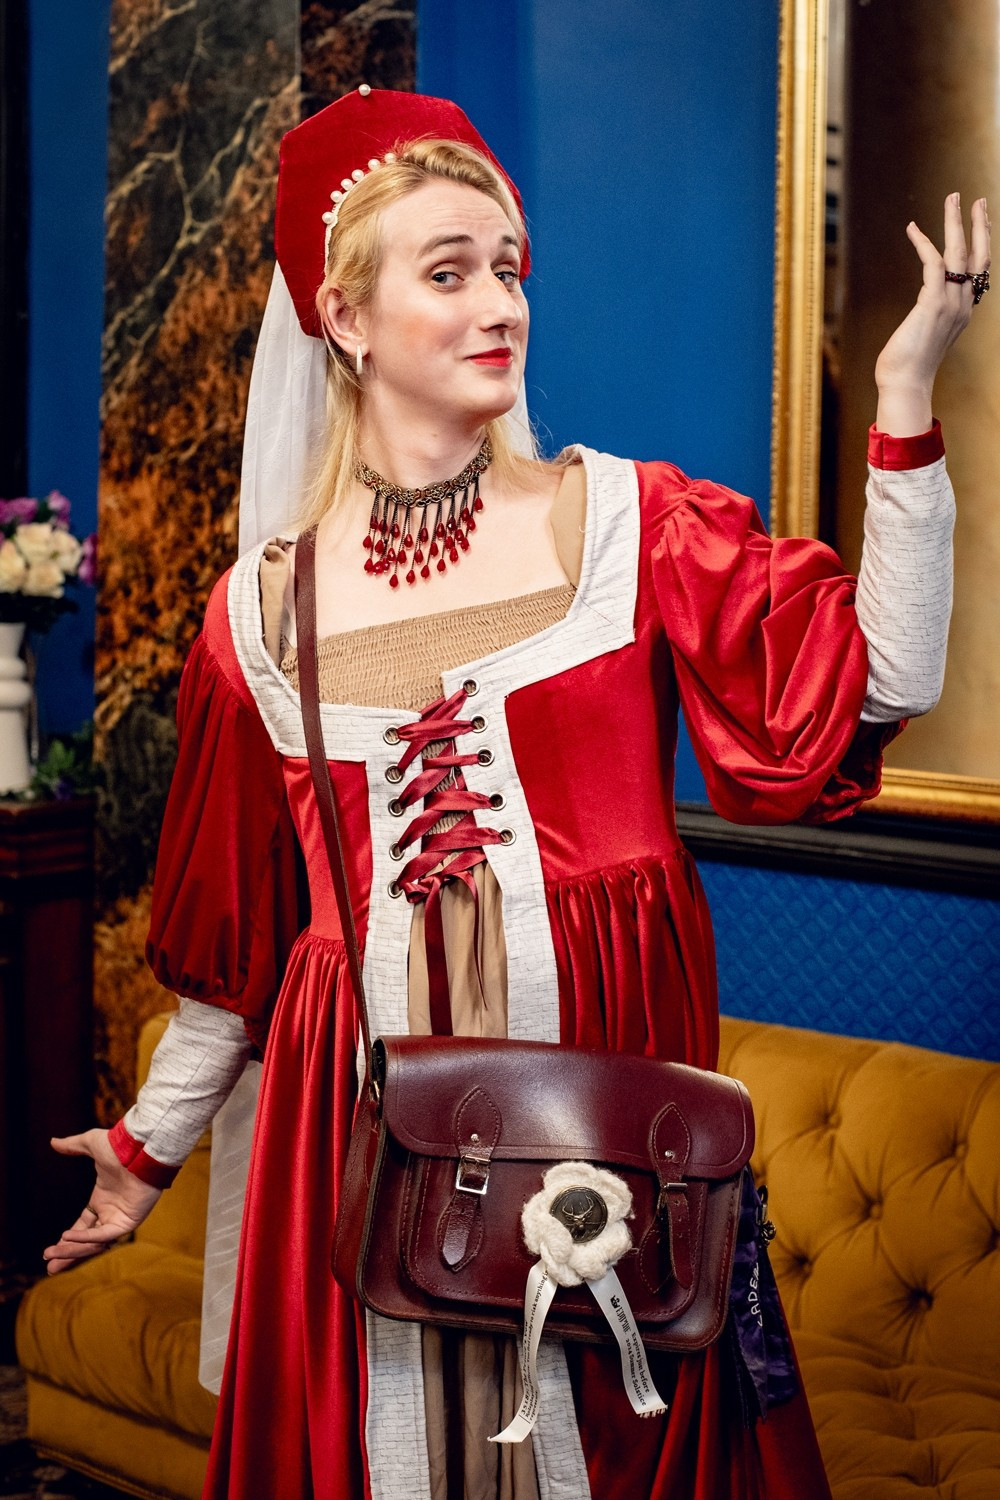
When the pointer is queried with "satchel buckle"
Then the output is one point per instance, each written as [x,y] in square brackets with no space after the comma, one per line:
[473,1175]
[663,1202]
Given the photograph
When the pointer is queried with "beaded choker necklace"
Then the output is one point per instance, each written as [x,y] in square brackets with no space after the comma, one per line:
[397,540]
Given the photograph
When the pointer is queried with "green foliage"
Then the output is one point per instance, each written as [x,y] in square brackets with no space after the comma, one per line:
[67,767]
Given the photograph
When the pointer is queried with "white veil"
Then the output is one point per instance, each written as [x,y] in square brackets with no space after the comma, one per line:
[286,413]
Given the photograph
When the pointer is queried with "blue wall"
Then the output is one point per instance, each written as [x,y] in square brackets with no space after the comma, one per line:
[68,126]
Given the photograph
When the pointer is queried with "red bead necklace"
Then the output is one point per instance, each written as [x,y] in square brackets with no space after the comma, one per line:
[399,542]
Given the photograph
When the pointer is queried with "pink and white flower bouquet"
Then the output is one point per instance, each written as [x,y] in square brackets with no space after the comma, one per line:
[39,556]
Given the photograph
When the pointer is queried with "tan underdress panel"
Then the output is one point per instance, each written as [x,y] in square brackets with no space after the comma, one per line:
[471,1381]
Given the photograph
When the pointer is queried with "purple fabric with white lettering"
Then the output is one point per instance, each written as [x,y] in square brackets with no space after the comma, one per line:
[757,1331]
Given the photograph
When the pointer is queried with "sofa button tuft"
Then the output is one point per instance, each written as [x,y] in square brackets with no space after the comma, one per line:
[874,1210]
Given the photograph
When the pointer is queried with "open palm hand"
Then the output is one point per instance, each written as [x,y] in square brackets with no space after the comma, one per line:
[118,1202]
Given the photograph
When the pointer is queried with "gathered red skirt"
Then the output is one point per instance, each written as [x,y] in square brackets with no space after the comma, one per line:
[291,1415]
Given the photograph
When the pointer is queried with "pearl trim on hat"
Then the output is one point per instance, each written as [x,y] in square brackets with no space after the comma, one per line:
[339,194]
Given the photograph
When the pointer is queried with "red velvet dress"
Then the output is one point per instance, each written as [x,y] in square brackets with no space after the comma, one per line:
[684,602]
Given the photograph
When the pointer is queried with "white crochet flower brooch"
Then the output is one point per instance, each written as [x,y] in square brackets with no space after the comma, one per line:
[576,1226]
[576,1223]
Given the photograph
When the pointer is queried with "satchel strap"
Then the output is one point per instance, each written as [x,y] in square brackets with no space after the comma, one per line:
[305,628]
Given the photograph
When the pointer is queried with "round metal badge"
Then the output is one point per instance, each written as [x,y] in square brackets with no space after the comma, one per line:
[583,1212]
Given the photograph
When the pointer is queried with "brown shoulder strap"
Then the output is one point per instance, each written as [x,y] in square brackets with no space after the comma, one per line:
[305,628]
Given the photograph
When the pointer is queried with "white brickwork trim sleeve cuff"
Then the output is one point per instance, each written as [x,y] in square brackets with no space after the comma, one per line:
[905,589]
[196,1065]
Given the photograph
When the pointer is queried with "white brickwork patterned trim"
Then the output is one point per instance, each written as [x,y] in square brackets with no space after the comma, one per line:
[195,1065]
[905,589]
[395,1422]
[232,1134]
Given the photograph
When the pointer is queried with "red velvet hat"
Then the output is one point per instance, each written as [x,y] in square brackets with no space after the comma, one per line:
[318,155]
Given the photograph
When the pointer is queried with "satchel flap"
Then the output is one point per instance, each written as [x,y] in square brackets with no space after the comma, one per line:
[558,1103]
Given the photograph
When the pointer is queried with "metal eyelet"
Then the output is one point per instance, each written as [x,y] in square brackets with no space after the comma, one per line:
[498,799]
[485,757]
[507,835]
[391,736]
[394,888]
[470,687]
[395,852]
[479,723]
[393,774]
[396,808]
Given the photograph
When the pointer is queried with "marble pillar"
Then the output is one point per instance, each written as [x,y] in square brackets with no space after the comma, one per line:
[200,93]
[347,44]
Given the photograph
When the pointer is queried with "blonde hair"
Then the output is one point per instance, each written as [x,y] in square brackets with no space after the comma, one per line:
[353,266]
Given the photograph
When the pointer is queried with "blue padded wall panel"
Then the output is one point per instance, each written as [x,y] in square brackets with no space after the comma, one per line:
[845,956]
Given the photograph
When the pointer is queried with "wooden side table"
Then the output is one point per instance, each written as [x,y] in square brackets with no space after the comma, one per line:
[46,1023]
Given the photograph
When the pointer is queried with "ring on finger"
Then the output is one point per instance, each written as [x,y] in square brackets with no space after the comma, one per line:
[980,282]
[90,1209]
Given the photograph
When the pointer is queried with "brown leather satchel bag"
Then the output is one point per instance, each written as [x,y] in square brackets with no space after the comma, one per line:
[453,1139]
[453,1135]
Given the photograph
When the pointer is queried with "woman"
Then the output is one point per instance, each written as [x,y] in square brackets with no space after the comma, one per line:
[518,793]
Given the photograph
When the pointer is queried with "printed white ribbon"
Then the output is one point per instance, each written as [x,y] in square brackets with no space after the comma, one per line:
[566,1262]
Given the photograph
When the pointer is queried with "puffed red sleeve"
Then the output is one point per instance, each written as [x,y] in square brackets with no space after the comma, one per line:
[770,661]
[225,908]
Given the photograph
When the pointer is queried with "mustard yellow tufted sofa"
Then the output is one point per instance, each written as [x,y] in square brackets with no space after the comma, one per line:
[883,1165]
[883,1170]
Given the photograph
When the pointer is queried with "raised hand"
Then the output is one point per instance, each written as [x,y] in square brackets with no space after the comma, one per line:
[905,370]
[118,1203]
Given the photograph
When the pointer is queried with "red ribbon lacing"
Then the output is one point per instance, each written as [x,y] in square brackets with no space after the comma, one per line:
[448,854]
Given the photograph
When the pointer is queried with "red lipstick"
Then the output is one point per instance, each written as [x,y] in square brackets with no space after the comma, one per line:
[500,357]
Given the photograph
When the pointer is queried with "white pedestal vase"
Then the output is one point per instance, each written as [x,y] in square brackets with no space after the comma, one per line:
[15,698]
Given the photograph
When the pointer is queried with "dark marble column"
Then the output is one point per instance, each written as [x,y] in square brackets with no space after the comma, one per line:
[347,44]
[200,93]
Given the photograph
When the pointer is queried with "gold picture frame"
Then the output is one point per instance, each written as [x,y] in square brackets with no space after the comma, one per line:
[797,379]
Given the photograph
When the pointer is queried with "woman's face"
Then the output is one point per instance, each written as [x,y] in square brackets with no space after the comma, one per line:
[447,332]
